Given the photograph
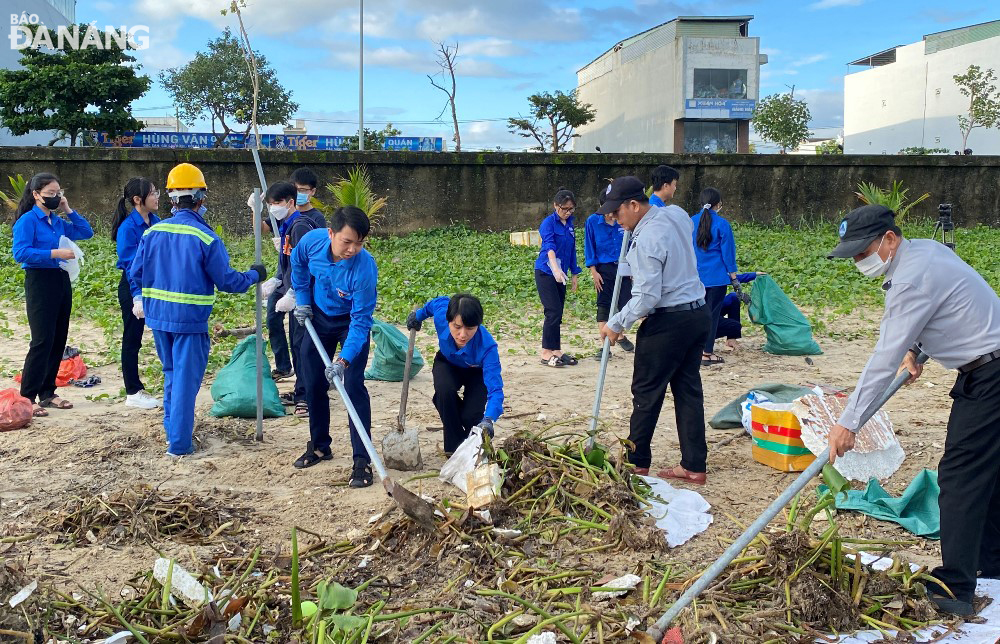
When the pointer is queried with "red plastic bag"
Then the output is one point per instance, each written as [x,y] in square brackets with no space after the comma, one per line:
[72,369]
[15,410]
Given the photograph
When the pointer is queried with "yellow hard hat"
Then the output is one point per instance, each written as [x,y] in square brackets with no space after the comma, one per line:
[185,177]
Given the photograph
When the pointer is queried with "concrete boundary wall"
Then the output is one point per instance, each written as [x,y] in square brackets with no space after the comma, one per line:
[501,191]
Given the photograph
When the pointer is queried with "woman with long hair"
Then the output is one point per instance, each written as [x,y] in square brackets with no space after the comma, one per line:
[715,250]
[556,260]
[134,215]
[48,295]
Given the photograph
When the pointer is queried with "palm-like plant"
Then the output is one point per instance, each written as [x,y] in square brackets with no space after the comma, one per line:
[356,190]
[894,199]
[17,184]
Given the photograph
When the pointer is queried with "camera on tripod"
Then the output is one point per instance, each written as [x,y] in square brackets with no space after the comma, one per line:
[945,225]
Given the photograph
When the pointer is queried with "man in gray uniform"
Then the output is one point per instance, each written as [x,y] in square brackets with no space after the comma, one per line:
[667,292]
[936,303]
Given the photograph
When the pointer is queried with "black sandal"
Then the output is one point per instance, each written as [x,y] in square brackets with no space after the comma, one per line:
[361,475]
[301,409]
[711,359]
[311,457]
[287,399]
[568,360]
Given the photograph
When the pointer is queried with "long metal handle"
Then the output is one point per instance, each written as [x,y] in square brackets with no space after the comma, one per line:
[263,187]
[656,630]
[351,411]
[260,327]
[606,351]
[406,380]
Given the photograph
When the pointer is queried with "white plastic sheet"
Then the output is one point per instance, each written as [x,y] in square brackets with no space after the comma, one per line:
[681,515]
[71,266]
[464,460]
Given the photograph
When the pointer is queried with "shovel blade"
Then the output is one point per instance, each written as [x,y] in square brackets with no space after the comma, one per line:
[401,450]
[412,505]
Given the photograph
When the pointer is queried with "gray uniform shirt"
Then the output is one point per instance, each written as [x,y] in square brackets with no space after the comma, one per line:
[664,268]
[932,299]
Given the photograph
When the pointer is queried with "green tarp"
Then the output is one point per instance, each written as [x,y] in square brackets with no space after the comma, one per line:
[235,388]
[731,416]
[788,331]
[916,510]
[389,360]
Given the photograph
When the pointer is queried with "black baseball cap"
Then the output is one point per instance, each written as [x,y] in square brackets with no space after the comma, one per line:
[621,190]
[860,227]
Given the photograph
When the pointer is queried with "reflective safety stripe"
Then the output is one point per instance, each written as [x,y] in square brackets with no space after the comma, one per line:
[180,229]
[179,298]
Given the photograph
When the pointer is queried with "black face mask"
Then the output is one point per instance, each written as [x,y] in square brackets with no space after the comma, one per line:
[51,202]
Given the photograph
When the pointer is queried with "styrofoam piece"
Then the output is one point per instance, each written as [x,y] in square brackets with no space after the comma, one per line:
[182,585]
[548,637]
[622,585]
[483,484]
[877,452]
[681,514]
[23,594]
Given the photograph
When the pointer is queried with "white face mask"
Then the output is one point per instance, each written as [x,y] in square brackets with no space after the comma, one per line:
[874,265]
[277,211]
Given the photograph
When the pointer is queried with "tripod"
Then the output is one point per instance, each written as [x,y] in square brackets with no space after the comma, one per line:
[945,226]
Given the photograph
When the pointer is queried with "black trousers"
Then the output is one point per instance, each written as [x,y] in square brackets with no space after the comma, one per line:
[969,476]
[459,414]
[276,334]
[132,328]
[714,295]
[608,272]
[668,350]
[729,322]
[332,332]
[48,299]
[553,297]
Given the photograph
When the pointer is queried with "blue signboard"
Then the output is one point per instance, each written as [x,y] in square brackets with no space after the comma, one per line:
[719,108]
[147,139]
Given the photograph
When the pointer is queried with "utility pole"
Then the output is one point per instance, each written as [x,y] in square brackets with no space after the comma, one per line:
[361,80]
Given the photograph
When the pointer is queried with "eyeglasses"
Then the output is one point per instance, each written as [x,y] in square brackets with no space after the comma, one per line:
[61,193]
[569,210]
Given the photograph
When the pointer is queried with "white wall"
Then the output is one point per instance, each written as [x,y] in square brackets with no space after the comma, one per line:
[915,101]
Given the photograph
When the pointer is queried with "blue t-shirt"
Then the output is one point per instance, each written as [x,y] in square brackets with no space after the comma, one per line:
[716,262]
[36,235]
[480,352]
[344,287]
[561,238]
[654,200]
[130,231]
[602,242]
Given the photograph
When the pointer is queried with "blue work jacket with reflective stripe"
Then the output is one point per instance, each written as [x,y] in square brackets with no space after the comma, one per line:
[178,265]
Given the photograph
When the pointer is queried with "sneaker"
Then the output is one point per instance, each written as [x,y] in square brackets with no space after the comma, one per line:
[361,475]
[141,399]
[626,344]
[280,375]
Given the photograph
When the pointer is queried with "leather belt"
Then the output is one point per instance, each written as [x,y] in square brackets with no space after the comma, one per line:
[980,361]
[690,306]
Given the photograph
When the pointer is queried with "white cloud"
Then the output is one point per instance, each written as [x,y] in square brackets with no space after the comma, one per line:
[394,56]
[830,4]
[825,106]
[481,68]
[809,60]
[492,47]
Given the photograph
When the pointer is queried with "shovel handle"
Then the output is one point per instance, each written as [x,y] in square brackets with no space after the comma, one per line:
[406,380]
[351,411]
[656,630]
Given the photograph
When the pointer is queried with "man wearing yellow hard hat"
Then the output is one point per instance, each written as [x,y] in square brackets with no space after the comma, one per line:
[179,264]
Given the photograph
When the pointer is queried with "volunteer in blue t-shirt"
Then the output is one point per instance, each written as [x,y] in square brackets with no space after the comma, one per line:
[467,359]
[602,244]
[48,295]
[715,250]
[730,326]
[556,260]
[134,215]
[664,182]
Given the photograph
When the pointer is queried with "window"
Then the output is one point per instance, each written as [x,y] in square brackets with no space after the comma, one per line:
[710,137]
[720,83]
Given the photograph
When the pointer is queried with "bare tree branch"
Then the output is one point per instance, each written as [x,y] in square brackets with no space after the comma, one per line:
[446,56]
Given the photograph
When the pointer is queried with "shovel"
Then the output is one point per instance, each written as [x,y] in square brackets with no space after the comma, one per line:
[401,448]
[414,507]
[656,630]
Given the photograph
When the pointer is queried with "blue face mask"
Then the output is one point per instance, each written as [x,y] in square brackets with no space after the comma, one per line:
[301,198]
[201,210]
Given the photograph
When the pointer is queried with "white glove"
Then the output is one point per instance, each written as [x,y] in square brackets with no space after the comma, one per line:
[137,308]
[287,302]
[277,244]
[250,201]
[268,287]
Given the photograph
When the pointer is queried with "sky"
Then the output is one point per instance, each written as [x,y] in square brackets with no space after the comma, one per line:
[507,50]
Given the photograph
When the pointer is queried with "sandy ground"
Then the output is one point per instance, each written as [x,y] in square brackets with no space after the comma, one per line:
[101,445]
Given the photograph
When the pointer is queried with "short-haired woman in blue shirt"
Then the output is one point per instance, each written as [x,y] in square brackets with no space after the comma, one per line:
[48,295]
[134,215]
[467,360]
[556,259]
[602,246]
[715,250]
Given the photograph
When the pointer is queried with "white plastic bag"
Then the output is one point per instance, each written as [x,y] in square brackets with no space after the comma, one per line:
[755,398]
[71,266]
[464,460]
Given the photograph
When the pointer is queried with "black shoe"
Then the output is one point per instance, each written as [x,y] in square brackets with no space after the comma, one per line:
[277,374]
[361,475]
[627,345]
[944,602]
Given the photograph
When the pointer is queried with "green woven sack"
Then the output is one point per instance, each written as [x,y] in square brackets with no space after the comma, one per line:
[788,331]
[235,388]
[389,360]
